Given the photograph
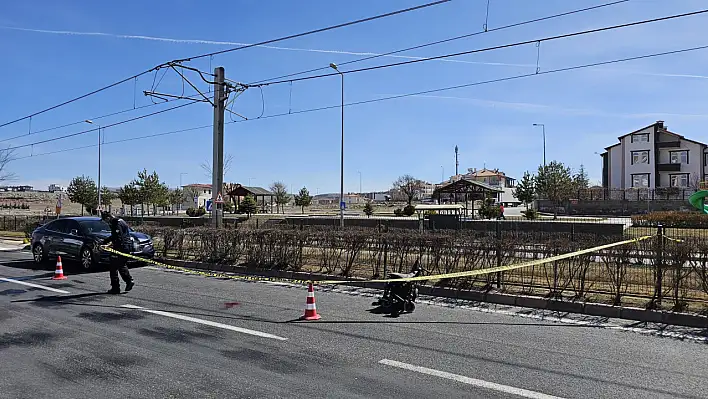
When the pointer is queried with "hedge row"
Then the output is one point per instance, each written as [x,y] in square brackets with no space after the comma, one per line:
[619,272]
[678,219]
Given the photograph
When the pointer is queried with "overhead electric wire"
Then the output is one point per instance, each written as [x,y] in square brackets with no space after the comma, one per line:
[311,32]
[449,39]
[502,46]
[94,118]
[508,78]
[332,27]
[66,136]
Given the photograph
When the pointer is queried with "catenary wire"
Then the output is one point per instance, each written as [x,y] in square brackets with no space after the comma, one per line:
[45,110]
[314,31]
[102,127]
[508,78]
[503,46]
[449,40]
[96,118]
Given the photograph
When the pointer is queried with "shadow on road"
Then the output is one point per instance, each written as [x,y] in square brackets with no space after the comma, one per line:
[61,298]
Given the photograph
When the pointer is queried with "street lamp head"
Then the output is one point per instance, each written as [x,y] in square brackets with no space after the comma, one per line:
[333,66]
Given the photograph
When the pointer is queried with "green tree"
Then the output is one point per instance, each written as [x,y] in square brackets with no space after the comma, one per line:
[409,186]
[282,197]
[580,179]
[248,205]
[107,197]
[82,190]
[151,191]
[525,190]
[303,199]
[175,198]
[368,209]
[129,195]
[554,182]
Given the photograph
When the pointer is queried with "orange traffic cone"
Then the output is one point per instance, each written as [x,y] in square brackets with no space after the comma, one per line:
[59,272]
[310,308]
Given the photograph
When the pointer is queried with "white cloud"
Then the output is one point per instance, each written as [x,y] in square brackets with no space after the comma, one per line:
[227,43]
[557,109]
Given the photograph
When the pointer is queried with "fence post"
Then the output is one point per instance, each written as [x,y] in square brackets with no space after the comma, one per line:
[659,266]
[385,266]
[15,229]
[499,252]
[572,232]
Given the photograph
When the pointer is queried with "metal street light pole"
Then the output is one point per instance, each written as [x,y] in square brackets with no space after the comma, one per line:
[544,141]
[99,206]
[359,183]
[341,176]
[179,206]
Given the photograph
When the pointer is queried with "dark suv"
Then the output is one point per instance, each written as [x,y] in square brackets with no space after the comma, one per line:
[75,238]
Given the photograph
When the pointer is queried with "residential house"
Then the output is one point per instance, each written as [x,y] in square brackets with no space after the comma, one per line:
[494,178]
[654,157]
[203,192]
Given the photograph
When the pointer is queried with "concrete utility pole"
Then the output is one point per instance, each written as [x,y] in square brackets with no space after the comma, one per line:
[341,167]
[99,164]
[217,179]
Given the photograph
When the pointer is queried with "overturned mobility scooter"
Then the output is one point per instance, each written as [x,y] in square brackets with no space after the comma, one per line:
[399,296]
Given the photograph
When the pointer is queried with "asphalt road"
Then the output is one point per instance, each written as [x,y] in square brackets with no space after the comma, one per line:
[188,336]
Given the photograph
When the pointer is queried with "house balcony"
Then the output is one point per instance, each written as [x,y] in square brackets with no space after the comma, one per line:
[669,167]
[669,144]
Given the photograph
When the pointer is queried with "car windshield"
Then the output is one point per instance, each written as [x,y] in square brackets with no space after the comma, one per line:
[95,226]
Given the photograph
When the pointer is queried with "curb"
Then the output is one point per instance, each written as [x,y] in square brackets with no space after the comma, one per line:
[590,309]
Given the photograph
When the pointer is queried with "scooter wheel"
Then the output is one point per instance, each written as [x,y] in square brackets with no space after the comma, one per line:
[409,307]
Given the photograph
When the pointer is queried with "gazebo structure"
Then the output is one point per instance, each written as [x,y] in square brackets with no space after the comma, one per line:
[239,192]
[464,191]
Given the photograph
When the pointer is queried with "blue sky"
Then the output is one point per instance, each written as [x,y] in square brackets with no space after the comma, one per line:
[584,111]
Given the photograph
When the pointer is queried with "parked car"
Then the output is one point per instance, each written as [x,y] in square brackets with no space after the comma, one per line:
[75,238]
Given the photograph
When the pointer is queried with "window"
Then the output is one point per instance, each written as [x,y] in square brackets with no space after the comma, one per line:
[640,180]
[678,156]
[640,157]
[705,159]
[640,138]
[679,180]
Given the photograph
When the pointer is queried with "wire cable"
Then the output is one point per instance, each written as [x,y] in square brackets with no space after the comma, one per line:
[503,46]
[221,52]
[102,127]
[312,32]
[19,136]
[449,39]
[508,78]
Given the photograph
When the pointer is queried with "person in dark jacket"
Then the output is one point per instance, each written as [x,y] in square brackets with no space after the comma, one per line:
[120,241]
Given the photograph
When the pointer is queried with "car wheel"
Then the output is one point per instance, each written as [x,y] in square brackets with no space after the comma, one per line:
[87,262]
[38,254]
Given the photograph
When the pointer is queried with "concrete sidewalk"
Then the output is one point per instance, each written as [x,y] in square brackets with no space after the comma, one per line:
[12,245]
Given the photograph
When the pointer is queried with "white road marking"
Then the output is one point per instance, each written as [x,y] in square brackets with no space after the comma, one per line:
[470,381]
[206,322]
[44,287]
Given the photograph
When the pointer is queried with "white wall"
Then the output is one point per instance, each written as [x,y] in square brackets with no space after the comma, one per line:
[615,162]
[630,169]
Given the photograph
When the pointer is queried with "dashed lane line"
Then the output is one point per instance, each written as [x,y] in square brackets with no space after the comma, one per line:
[524,393]
[206,322]
[43,287]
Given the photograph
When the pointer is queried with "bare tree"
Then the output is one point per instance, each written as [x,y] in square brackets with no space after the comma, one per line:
[409,186]
[206,166]
[694,181]
[6,156]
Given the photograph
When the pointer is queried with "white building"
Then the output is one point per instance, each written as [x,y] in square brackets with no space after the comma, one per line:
[653,157]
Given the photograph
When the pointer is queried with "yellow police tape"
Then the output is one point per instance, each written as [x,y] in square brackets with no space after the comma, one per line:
[469,273]
[673,239]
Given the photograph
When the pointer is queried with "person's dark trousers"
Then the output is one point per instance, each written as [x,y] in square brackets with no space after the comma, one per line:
[119,266]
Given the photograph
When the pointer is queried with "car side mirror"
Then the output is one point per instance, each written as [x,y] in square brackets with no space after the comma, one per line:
[74,232]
